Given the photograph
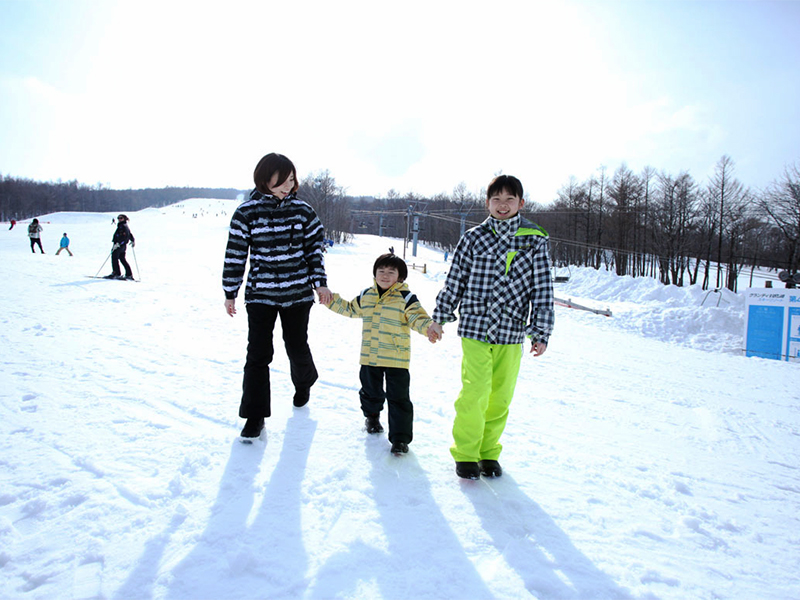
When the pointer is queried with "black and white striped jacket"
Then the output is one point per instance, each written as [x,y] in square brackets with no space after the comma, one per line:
[285,240]
[501,284]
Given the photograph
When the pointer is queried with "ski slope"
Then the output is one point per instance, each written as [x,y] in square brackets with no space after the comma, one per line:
[644,456]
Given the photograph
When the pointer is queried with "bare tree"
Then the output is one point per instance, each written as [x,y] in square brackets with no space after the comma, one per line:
[321,192]
[599,241]
[706,233]
[739,222]
[646,248]
[624,191]
[673,216]
[781,203]
[725,190]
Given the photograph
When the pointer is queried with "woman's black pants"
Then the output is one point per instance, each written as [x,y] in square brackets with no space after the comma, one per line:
[261,319]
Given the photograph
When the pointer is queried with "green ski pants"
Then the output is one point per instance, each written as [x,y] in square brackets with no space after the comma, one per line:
[488,377]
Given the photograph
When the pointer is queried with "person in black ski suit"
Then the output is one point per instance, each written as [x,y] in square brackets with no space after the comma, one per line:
[283,237]
[121,238]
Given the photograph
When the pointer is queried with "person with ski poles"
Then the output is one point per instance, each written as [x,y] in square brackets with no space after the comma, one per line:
[120,241]
[284,240]
[501,284]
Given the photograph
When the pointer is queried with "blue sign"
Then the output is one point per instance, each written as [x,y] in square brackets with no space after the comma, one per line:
[764,331]
[772,324]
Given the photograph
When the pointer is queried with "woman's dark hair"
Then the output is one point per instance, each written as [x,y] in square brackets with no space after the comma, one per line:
[505,183]
[391,260]
[269,165]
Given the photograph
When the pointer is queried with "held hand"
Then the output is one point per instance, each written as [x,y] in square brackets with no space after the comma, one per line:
[230,306]
[538,348]
[434,332]
[325,295]
[133,244]
[115,246]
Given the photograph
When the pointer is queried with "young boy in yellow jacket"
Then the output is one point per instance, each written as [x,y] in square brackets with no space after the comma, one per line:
[388,311]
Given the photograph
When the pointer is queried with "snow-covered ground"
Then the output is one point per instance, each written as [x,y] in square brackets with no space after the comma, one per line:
[645,457]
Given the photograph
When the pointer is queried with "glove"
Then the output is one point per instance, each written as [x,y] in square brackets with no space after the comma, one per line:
[133,244]
[114,247]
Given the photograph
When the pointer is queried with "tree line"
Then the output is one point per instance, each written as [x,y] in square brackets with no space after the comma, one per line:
[24,198]
[675,228]
[652,223]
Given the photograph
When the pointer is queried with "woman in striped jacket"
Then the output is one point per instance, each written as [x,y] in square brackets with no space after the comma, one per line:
[284,239]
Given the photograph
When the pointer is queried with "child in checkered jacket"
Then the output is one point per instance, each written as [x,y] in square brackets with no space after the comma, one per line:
[501,284]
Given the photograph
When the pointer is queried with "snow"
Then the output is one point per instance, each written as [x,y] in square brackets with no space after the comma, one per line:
[645,457]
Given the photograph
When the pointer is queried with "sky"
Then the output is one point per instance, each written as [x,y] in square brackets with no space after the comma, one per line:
[413,97]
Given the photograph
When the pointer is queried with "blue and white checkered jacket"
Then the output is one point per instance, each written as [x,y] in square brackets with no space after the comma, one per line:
[501,284]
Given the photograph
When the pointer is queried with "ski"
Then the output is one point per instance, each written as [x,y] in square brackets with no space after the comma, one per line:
[112,278]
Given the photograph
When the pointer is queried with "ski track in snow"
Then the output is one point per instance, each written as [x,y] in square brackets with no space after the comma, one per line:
[644,456]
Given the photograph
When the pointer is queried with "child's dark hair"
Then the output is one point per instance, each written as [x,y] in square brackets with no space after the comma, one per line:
[505,183]
[390,259]
[269,165]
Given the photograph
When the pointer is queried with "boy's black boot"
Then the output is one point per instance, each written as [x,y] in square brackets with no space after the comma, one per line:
[468,470]
[301,396]
[399,448]
[252,429]
[490,468]
[373,424]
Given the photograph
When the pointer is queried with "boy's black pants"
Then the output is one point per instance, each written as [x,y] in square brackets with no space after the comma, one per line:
[261,322]
[372,394]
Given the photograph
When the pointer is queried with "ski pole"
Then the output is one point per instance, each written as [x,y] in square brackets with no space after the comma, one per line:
[104,263]
[136,262]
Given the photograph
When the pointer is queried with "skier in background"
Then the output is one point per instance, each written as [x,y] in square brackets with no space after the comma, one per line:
[121,238]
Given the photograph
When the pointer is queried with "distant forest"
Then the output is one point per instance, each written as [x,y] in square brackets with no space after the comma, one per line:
[24,198]
[647,224]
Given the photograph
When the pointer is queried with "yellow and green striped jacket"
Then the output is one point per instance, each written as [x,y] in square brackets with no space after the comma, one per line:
[386,322]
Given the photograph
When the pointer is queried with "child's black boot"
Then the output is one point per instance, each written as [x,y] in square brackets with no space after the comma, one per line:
[399,448]
[490,468]
[468,470]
